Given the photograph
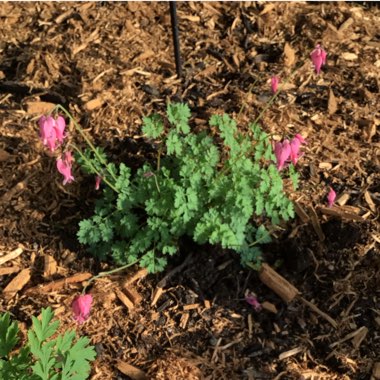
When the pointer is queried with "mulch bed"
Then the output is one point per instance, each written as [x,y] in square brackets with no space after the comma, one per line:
[111,64]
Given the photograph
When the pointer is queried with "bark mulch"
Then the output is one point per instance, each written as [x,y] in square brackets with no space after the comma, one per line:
[112,63]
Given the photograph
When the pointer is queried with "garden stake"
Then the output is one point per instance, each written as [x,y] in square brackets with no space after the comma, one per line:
[177,53]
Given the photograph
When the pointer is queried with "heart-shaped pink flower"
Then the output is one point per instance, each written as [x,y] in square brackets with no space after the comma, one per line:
[64,167]
[81,307]
[318,56]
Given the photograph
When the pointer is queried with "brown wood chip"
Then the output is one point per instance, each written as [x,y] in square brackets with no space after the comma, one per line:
[9,270]
[125,299]
[59,284]
[17,283]
[315,223]
[50,266]
[335,211]
[129,370]
[376,370]
[277,283]
[39,108]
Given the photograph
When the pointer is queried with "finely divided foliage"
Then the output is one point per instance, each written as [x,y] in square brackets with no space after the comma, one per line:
[211,191]
[43,358]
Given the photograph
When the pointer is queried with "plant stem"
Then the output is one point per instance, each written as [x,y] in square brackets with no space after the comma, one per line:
[103,274]
[83,134]
[93,167]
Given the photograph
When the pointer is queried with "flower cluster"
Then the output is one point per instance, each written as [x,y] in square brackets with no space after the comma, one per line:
[288,151]
[52,134]
[52,131]
[318,57]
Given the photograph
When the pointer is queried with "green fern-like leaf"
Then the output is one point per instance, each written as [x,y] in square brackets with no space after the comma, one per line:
[8,335]
[153,126]
[178,116]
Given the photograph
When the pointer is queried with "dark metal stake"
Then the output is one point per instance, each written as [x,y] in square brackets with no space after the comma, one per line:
[177,53]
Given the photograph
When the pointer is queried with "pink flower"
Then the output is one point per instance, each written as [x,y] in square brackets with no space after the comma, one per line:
[274,83]
[318,56]
[98,179]
[252,300]
[52,130]
[295,147]
[46,126]
[64,167]
[81,307]
[60,126]
[331,197]
[282,152]
[51,140]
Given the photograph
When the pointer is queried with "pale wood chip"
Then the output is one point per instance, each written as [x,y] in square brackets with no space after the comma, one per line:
[17,283]
[332,104]
[191,306]
[267,8]
[141,273]
[346,24]
[359,336]
[9,270]
[11,255]
[350,336]
[343,199]
[156,295]
[349,56]
[289,353]
[289,55]
[94,103]
[269,307]
[131,371]
[39,108]
[325,165]
[184,319]
[368,199]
